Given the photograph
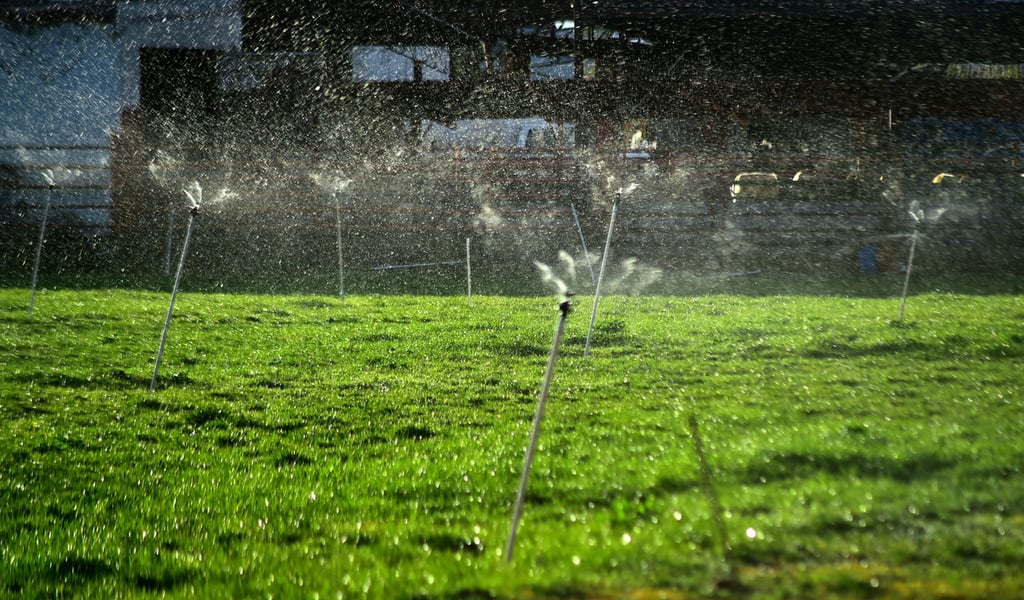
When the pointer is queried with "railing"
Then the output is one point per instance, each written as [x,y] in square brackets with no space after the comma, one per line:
[73,181]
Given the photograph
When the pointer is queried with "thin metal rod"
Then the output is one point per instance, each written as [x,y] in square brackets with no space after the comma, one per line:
[174,295]
[416,265]
[600,275]
[39,250]
[341,258]
[538,417]
[583,241]
[469,276]
[906,280]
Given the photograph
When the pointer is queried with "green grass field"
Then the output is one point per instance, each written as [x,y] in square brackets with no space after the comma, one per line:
[309,447]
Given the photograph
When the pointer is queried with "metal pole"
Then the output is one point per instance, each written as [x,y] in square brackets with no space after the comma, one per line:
[417,265]
[39,249]
[600,275]
[174,294]
[906,280]
[583,240]
[469,276]
[517,514]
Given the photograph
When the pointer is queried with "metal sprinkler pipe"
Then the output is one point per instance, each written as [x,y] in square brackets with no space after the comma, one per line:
[583,240]
[469,276]
[174,294]
[600,275]
[565,308]
[910,265]
[39,246]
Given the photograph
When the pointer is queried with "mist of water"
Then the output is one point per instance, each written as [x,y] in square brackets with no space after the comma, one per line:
[548,276]
[331,182]
[569,265]
[634,276]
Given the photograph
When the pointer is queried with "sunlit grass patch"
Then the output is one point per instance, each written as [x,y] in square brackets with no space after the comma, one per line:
[301,445]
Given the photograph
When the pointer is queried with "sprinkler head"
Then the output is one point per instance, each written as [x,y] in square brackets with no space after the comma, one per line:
[566,305]
[48,178]
[194,210]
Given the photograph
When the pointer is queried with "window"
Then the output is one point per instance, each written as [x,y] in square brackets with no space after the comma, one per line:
[400,63]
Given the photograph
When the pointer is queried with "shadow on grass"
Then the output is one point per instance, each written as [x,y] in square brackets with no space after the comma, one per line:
[78,570]
[164,581]
[469,593]
[950,346]
[801,465]
[450,542]
[519,349]
[117,379]
[82,568]
[415,433]
[834,349]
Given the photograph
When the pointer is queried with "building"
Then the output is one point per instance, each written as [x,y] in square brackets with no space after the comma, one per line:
[852,108]
[72,69]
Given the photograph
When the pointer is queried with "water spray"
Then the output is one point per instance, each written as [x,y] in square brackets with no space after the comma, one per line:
[194,195]
[564,309]
[910,260]
[547,275]
[48,176]
[604,263]
[170,242]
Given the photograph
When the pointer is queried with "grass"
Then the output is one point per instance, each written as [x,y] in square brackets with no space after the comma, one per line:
[304,446]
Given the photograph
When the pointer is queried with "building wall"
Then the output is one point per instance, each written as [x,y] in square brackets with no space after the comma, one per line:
[61,104]
[65,84]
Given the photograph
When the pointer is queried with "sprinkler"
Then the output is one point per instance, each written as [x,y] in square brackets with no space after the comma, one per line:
[910,260]
[604,262]
[565,307]
[48,176]
[335,184]
[193,211]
